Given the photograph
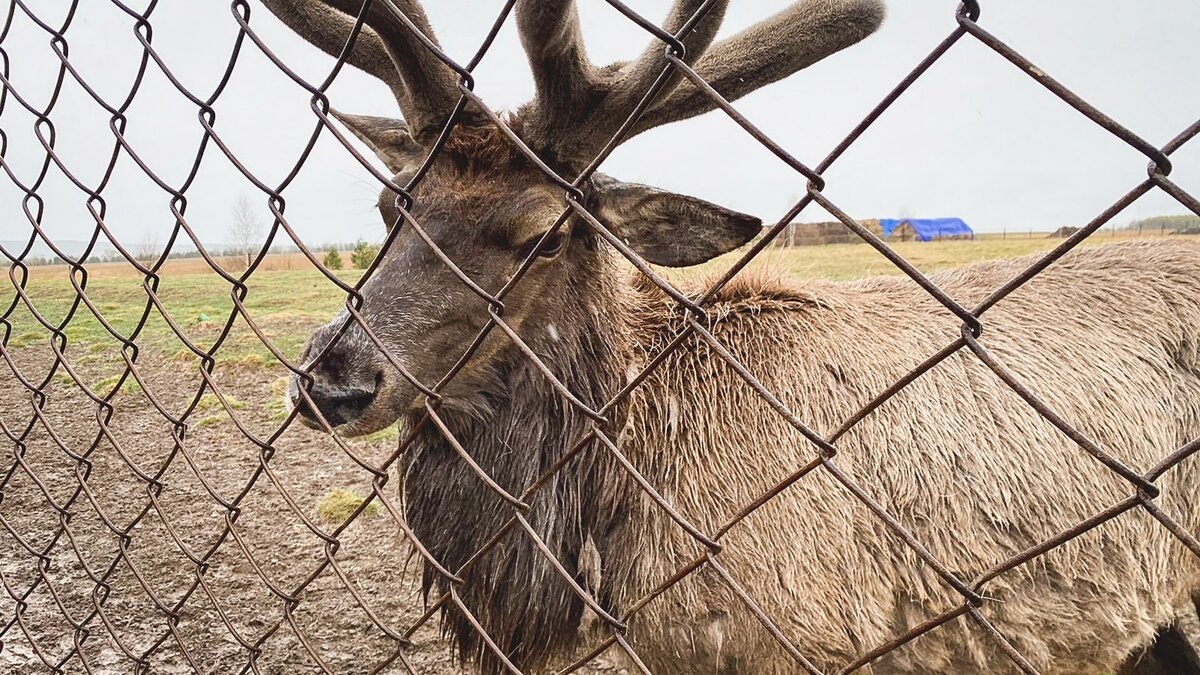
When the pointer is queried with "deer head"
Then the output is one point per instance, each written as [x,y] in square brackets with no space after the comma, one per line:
[490,209]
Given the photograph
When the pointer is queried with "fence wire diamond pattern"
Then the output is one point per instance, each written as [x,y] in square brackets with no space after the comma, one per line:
[94,635]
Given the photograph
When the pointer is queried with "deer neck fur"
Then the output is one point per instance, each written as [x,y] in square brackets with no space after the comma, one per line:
[516,426]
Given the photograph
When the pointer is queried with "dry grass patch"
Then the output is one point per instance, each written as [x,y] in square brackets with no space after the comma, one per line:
[340,503]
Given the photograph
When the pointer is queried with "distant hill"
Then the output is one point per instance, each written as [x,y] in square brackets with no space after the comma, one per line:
[103,250]
[41,254]
[71,247]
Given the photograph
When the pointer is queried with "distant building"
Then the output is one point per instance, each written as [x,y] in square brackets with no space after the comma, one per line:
[925,229]
[814,234]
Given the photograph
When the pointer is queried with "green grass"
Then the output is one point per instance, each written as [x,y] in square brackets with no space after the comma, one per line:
[385,434]
[287,304]
[277,405]
[129,386]
[25,339]
[339,504]
[844,262]
[210,402]
[209,421]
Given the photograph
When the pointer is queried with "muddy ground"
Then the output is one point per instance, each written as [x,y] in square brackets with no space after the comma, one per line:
[72,541]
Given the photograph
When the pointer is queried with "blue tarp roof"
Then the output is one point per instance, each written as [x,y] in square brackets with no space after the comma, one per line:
[928,229]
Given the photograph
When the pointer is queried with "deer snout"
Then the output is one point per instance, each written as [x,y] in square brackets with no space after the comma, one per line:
[339,405]
[345,379]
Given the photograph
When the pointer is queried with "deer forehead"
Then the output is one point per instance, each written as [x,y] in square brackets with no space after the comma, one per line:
[508,208]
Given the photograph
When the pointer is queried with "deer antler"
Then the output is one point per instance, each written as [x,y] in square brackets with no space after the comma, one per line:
[767,52]
[571,92]
[634,79]
[564,78]
[425,88]
[578,107]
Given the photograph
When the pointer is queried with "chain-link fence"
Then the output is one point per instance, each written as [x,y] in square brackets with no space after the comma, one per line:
[128,545]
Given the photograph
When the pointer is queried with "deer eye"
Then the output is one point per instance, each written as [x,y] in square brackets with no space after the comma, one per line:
[553,245]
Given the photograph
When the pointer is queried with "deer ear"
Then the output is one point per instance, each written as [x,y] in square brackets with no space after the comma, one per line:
[388,138]
[667,228]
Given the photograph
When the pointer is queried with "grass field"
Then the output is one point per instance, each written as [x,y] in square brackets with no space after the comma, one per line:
[843,262]
[287,297]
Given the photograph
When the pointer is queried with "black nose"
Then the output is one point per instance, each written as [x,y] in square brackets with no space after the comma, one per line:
[338,405]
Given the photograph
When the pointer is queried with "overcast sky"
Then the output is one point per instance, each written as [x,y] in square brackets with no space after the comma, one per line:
[974,138]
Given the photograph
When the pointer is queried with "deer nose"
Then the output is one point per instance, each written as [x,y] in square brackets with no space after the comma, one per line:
[338,405]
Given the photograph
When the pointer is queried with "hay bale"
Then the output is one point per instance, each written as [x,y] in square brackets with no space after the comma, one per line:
[1063,232]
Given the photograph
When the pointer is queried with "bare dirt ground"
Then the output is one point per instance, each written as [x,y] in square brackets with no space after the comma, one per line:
[131,580]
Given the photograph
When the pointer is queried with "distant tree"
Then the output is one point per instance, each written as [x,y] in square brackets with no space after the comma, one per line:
[333,259]
[363,254]
[148,247]
[1165,223]
[245,230]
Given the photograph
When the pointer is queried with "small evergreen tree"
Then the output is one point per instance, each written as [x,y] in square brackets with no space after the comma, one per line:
[363,254]
[333,260]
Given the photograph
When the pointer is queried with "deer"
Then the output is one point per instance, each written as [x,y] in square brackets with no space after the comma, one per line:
[618,502]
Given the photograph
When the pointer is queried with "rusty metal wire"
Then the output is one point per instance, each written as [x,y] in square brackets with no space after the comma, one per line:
[101,620]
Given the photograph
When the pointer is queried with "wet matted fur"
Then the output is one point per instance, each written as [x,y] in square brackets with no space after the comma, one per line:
[1109,337]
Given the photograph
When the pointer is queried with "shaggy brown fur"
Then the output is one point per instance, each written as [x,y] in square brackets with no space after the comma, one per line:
[1109,337]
